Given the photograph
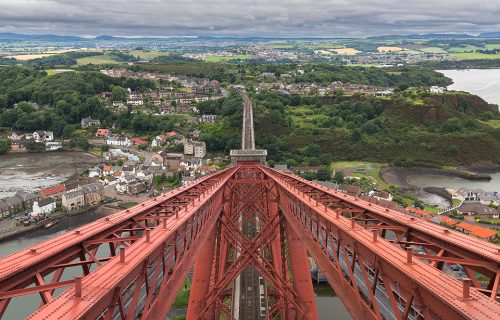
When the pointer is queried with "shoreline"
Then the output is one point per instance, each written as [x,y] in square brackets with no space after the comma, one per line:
[11,154]
[22,230]
[399,175]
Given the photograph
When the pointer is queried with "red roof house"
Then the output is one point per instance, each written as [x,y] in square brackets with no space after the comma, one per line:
[52,191]
[138,141]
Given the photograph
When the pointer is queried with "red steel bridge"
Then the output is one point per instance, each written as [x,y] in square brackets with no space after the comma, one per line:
[248,231]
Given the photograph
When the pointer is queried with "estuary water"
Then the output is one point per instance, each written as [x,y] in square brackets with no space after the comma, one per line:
[484,83]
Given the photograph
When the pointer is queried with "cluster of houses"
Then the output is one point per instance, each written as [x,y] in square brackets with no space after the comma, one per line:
[307,89]
[168,98]
[73,194]
[19,141]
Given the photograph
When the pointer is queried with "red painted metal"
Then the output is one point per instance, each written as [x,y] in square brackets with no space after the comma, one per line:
[381,263]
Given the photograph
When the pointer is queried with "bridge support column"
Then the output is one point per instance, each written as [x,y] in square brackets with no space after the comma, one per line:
[299,264]
[201,278]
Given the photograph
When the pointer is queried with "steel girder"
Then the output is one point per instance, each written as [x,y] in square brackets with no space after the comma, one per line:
[39,269]
[373,278]
[432,243]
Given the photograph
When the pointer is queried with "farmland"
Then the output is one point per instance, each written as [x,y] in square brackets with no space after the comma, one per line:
[100,59]
[226,58]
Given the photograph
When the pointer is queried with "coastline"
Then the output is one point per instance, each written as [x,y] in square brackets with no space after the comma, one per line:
[399,175]
[22,230]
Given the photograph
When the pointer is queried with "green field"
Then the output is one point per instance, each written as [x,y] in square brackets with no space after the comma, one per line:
[408,52]
[283,46]
[492,46]
[476,56]
[323,46]
[368,170]
[223,59]
[433,50]
[493,123]
[102,59]
[148,54]
[463,49]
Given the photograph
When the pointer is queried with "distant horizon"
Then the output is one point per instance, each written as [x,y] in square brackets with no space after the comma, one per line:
[319,37]
[248,18]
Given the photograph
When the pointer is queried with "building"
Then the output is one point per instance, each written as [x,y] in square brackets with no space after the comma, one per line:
[19,144]
[43,136]
[44,206]
[53,145]
[135,101]
[477,231]
[103,133]
[209,118]
[350,189]
[138,141]
[14,203]
[170,160]
[54,191]
[197,149]
[118,141]
[136,188]
[4,209]
[478,209]
[436,89]
[89,122]
[419,212]
[93,194]
[28,199]
[73,200]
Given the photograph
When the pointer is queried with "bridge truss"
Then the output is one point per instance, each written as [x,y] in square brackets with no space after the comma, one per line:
[383,264]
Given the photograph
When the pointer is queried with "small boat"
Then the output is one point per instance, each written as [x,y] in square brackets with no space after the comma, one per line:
[51,223]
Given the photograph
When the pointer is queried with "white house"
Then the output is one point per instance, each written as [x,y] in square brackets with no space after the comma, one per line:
[135,102]
[118,141]
[43,136]
[53,145]
[44,206]
[436,89]
[121,187]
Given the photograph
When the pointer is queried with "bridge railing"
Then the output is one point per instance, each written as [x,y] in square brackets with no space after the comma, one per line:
[373,277]
[90,248]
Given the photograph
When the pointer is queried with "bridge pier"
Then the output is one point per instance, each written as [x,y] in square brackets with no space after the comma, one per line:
[301,275]
[201,279]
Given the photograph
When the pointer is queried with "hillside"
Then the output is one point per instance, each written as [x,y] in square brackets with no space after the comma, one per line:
[410,128]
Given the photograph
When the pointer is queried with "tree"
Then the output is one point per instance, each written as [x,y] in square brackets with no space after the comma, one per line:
[118,94]
[356,135]
[338,177]
[324,173]
[313,150]
[104,148]
[4,146]
[34,146]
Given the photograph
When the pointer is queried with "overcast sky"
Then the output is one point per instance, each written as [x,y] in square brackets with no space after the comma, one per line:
[248,17]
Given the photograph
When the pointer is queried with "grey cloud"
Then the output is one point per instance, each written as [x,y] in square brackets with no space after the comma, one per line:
[245,17]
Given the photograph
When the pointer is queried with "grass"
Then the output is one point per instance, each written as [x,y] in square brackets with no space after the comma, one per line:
[223,58]
[464,49]
[476,56]
[455,202]
[102,59]
[148,54]
[493,123]
[432,209]
[369,170]
[433,50]
[492,46]
[181,300]
[407,51]
[283,46]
